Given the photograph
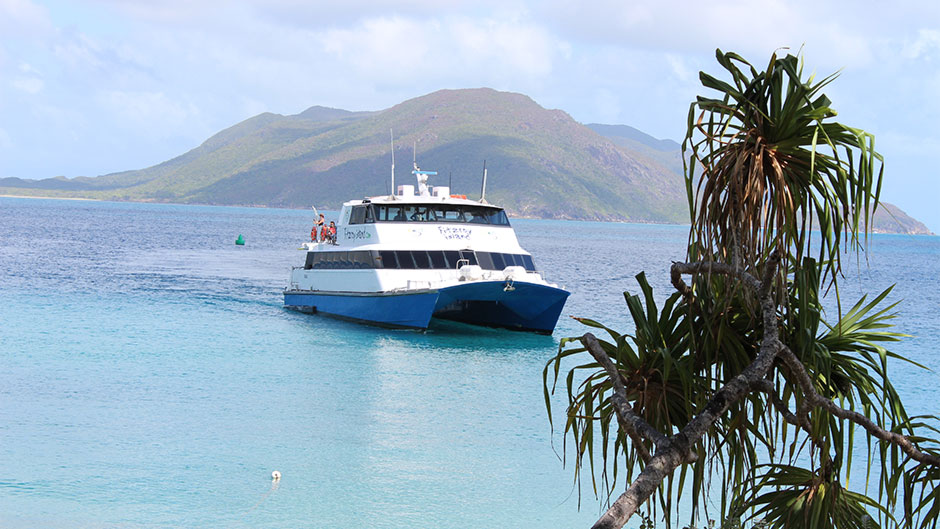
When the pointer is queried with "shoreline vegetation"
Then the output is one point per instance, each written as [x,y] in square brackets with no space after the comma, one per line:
[541,163]
[887,214]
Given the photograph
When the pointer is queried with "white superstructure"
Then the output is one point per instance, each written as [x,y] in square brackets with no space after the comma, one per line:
[424,241]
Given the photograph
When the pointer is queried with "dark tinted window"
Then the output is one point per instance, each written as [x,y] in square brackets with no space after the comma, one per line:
[437,260]
[468,255]
[497,217]
[388,259]
[451,256]
[429,213]
[486,261]
[405,260]
[421,259]
[358,215]
[361,259]
[528,263]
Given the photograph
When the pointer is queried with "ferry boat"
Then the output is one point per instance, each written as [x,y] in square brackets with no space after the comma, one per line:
[400,260]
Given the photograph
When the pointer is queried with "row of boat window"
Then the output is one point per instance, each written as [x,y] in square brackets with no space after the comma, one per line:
[369,213]
[416,259]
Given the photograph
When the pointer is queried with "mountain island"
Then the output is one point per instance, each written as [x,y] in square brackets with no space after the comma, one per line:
[540,162]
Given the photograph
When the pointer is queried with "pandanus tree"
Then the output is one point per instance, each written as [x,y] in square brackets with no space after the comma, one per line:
[741,394]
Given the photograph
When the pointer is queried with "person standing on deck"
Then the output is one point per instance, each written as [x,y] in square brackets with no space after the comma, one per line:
[320,226]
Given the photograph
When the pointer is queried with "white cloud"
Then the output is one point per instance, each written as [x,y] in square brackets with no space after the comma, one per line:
[529,50]
[923,47]
[679,68]
[79,52]
[400,49]
[838,34]
[30,85]
[368,47]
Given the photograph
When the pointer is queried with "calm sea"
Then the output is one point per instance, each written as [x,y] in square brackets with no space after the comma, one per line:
[151,378]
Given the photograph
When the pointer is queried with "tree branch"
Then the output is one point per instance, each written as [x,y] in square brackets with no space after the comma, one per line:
[678,269]
[815,399]
[633,424]
[766,386]
[678,448]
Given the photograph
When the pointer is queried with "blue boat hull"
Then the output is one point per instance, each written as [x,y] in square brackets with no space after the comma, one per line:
[521,306]
[410,310]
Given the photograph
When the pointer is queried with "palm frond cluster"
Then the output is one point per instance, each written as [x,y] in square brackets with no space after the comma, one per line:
[774,170]
[766,168]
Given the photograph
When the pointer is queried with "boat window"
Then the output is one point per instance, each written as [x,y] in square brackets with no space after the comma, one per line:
[415,259]
[389,259]
[476,215]
[421,259]
[437,260]
[360,259]
[358,215]
[452,257]
[469,256]
[388,213]
[450,215]
[405,260]
[497,216]
[486,260]
[527,262]
[429,213]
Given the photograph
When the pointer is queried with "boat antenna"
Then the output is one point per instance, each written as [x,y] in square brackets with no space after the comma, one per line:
[483,190]
[392,139]
[450,180]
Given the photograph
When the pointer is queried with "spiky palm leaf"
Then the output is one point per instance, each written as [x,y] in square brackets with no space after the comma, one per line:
[773,169]
[789,496]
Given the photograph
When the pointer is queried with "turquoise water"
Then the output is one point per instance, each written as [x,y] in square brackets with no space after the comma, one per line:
[151,377]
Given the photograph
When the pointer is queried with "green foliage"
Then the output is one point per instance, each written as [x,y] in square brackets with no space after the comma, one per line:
[796,497]
[776,169]
[541,162]
[771,168]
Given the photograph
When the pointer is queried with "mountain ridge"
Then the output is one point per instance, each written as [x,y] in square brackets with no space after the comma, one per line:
[541,162]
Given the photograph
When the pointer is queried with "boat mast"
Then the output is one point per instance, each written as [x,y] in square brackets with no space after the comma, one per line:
[483,190]
[392,138]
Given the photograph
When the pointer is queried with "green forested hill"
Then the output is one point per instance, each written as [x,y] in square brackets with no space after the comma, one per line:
[541,162]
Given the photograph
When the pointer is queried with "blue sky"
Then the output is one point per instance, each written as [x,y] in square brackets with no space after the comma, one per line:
[93,87]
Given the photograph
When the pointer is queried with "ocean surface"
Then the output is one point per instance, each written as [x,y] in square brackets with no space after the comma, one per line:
[151,378]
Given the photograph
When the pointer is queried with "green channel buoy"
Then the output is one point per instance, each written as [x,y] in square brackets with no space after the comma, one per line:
[240,240]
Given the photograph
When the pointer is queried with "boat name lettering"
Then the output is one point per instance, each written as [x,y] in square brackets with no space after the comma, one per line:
[352,235]
[454,232]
